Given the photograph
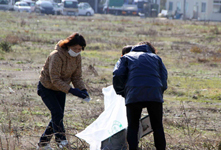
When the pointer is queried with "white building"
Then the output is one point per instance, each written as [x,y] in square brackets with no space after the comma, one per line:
[196,9]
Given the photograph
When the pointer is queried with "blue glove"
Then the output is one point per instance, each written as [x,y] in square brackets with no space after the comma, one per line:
[85,92]
[87,99]
[78,93]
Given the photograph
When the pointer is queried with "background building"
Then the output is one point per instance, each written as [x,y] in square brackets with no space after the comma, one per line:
[196,9]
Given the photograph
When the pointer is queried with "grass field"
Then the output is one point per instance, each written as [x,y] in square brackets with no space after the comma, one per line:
[191,51]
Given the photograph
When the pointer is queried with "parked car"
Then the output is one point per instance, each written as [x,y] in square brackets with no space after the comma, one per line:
[6,5]
[44,7]
[30,3]
[85,9]
[22,7]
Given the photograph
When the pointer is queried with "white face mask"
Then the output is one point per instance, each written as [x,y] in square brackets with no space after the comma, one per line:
[73,54]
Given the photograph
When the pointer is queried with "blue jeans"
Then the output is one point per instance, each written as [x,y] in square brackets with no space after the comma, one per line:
[155,111]
[55,102]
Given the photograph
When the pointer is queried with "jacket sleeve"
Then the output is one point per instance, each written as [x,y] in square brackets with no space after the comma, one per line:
[76,78]
[55,65]
[163,75]
[120,74]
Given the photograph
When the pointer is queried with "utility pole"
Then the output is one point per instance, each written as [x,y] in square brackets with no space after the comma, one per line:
[96,5]
[159,7]
[184,10]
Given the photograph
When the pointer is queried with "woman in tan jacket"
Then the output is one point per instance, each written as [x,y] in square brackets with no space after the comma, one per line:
[62,67]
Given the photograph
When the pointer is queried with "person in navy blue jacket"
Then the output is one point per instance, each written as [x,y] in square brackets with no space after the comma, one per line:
[141,78]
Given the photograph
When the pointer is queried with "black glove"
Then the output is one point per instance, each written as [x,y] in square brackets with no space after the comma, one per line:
[77,93]
[122,94]
[85,92]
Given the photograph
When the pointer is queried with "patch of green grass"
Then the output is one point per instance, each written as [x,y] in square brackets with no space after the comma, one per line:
[18,69]
[39,124]
[210,36]
[91,54]
[104,67]
[168,39]
[195,27]
[103,56]
[40,113]
[190,86]
[77,125]
[214,43]
[20,62]
[2,58]
[24,112]
[96,46]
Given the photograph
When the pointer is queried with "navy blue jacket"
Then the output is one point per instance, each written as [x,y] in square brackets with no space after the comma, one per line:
[140,76]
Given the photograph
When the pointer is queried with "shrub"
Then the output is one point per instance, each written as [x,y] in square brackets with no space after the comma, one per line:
[195,49]
[216,59]
[203,60]
[219,148]
[215,30]
[13,39]
[2,58]
[5,46]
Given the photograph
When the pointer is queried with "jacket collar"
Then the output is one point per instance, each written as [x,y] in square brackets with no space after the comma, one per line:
[61,50]
[141,48]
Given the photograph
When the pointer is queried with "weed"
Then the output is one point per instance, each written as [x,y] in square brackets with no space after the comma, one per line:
[202,60]
[120,29]
[1,143]
[219,146]
[215,30]
[195,49]
[216,59]
[22,23]
[157,23]
[13,39]
[5,46]
[208,146]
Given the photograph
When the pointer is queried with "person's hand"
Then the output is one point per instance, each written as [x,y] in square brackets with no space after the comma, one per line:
[78,93]
[87,99]
[85,92]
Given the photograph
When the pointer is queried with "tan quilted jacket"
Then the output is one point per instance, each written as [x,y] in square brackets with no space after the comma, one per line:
[60,70]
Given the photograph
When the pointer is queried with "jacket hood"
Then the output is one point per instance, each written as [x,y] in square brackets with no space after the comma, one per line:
[141,48]
[61,50]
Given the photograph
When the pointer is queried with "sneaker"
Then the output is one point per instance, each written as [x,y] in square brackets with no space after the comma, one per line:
[63,145]
[44,147]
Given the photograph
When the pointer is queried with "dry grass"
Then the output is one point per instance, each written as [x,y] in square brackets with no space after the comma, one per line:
[196,49]
[190,51]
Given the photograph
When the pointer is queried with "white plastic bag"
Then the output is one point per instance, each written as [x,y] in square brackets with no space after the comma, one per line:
[111,121]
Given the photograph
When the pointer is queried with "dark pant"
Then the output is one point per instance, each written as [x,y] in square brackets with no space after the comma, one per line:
[55,101]
[155,111]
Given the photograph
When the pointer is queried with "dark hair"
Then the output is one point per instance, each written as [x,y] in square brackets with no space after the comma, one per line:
[153,49]
[126,49]
[73,39]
